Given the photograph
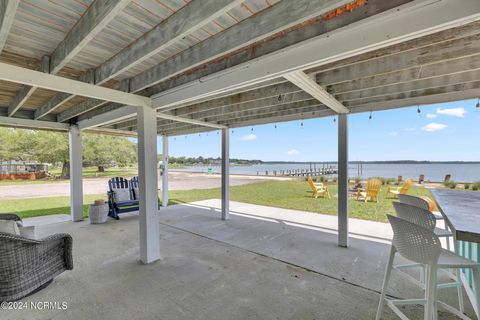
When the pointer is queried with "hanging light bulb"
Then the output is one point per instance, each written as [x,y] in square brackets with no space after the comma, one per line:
[279,97]
[252,129]
[218,132]
[477,106]
[370,116]
[275,126]
[301,124]
[232,131]
[418,110]
[334,119]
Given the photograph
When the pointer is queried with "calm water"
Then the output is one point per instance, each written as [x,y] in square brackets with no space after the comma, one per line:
[432,172]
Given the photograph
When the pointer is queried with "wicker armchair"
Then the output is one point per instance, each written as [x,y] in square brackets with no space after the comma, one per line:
[28,265]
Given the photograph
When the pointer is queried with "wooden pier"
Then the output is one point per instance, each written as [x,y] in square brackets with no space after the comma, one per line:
[313,172]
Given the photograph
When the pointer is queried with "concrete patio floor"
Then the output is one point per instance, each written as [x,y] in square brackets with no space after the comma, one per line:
[263,263]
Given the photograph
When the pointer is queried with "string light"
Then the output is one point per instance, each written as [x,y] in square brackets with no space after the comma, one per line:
[275,126]
[301,124]
[418,110]
[252,129]
[334,119]
[232,131]
[370,116]
[279,97]
[477,106]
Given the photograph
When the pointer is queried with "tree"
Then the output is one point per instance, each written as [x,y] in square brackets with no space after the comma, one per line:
[106,150]
[52,147]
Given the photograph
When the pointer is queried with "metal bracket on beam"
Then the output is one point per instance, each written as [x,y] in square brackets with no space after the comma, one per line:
[307,84]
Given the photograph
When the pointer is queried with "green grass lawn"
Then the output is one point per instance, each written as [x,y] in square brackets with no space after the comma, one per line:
[282,194]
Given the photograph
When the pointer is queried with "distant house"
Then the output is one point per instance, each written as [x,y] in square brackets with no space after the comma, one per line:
[22,170]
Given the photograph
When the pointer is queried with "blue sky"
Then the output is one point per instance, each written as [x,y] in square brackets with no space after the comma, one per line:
[448,131]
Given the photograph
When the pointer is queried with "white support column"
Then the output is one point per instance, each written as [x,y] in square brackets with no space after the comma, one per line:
[76,187]
[342,180]
[165,171]
[225,173]
[148,185]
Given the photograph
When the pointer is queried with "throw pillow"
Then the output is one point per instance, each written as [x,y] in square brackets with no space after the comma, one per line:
[121,194]
[9,226]
[136,191]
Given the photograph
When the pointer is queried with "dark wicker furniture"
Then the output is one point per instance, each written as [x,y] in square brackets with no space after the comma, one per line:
[27,265]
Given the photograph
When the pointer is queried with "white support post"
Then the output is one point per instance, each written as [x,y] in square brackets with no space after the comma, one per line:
[225,173]
[76,187]
[148,185]
[165,171]
[342,180]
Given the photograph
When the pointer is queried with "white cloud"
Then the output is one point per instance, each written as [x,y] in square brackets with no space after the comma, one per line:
[432,127]
[249,137]
[454,112]
[293,152]
[393,134]
[431,116]
[410,129]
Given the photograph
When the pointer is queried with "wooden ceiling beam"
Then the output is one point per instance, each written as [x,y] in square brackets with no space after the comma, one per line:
[8,8]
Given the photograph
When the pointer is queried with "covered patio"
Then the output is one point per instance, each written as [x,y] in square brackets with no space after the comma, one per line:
[263,263]
[147,68]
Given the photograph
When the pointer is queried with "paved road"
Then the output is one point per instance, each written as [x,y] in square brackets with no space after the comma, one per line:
[177,181]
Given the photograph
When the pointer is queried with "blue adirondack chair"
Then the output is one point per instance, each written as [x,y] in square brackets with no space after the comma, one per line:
[117,207]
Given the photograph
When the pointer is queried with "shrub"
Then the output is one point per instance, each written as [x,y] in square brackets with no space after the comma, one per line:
[476,186]
[322,179]
[450,184]
[335,179]
[386,181]
[466,186]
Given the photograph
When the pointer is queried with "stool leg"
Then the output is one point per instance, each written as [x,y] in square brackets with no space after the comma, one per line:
[461,307]
[476,290]
[388,271]
[430,295]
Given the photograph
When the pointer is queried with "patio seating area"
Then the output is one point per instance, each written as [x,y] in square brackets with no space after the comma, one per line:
[144,69]
[263,263]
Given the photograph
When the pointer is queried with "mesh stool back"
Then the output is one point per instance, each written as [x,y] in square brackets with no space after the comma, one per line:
[414,242]
[414,201]
[419,216]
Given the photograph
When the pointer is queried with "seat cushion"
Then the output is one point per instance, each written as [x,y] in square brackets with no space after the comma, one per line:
[9,226]
[121,194]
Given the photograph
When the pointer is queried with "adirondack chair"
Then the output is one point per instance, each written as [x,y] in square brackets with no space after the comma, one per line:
[319,189]
[128,202]
[400,190]
[370,193]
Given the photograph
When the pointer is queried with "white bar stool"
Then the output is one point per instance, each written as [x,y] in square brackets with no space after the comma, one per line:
[422,246]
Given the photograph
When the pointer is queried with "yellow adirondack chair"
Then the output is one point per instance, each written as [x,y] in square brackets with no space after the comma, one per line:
[370,193]
[400,190]
[319,189]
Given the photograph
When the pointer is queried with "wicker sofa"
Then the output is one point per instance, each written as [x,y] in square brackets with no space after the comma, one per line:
[28,265]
